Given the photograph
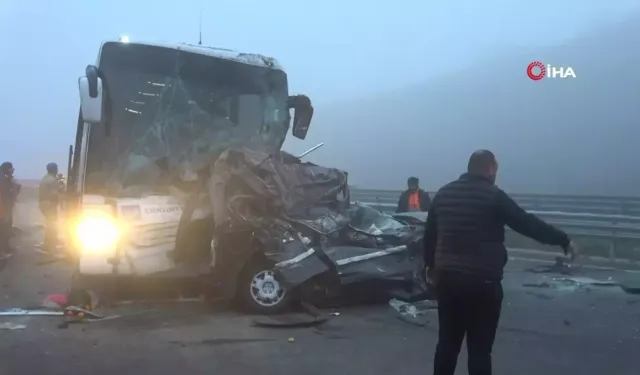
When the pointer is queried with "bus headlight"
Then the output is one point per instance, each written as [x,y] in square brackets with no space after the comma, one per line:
[97,233]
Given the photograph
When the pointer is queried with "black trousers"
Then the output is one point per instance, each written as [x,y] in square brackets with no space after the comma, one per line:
[467,305]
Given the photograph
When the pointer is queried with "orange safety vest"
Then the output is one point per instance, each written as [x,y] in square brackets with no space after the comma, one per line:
[414,201]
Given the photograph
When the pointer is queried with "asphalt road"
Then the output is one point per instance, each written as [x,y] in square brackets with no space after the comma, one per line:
[552,329]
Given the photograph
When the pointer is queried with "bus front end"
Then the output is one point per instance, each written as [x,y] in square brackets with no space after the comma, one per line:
[152,118]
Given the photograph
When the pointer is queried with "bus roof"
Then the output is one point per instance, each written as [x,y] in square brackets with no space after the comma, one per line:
[222,53]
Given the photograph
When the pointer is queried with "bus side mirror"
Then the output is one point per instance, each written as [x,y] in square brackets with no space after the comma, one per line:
[302,114]
[91,95]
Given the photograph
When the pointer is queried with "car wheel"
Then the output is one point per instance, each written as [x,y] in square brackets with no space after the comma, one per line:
[260,289]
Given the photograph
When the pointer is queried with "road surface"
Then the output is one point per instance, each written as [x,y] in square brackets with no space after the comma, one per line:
[550,330]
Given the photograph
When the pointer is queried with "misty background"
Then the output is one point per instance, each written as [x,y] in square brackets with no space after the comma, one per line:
[400,88]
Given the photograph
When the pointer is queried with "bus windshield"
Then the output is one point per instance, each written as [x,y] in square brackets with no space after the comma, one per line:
[171,112]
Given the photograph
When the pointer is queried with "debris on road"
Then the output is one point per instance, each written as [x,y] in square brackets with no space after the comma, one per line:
[30,312]
[71,314]
[560,267]
[414,313]
[537,285]
[313,317]
[289,320]
[571,283]
[539,295]
[11,326]
[70,311]
[587,281]
[58,300]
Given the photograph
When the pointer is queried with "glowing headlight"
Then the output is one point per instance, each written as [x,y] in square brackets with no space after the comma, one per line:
[97,233]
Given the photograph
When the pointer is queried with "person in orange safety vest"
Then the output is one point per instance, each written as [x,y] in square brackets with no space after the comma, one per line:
[414,198]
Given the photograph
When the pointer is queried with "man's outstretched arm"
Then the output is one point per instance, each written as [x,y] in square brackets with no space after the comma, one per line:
[530,225]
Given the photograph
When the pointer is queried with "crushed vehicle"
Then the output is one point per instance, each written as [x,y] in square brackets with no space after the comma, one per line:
[177,174]
[412,218]
[286,229]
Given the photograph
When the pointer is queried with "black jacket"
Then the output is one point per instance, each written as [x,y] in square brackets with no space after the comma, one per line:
[465,228]
[403,202]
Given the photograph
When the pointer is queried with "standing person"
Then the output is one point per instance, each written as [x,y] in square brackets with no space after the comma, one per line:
[465,256]
[414,198]
[5,213]
[49,199]
[13,187]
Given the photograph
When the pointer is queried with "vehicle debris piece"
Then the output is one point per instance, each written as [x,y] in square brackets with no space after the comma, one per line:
[418,313]
[58,300]
[560,266]
[313,317]
[69,311]
[587,281]
[11,326]
[290,320]
[537,285]
[571,283]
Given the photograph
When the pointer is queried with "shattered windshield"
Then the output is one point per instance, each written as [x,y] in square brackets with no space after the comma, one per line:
[372,221]
[171,112]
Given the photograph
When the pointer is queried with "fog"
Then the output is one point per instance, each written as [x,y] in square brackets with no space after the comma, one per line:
[409,88]
[571,136]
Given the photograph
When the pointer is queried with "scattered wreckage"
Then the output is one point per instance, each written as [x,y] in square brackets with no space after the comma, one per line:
[289,230]
[274,229]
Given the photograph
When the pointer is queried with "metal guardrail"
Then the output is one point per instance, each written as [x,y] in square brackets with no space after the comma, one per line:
[629,206]
[606,222]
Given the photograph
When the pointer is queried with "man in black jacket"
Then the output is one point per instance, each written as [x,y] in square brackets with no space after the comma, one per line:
[465,256]
[414,198]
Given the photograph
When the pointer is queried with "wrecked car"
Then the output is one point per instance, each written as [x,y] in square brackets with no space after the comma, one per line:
[288,230]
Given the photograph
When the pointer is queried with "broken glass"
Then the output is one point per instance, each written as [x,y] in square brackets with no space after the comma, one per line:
[171,113]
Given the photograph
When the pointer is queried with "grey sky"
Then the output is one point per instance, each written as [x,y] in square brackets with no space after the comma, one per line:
[333,50]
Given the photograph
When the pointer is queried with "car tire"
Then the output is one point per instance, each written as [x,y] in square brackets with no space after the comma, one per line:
[260,290]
